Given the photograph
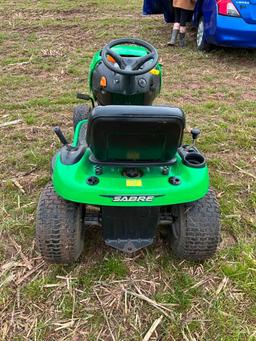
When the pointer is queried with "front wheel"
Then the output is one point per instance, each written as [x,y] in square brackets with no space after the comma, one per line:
[80,113]
[59,228]
[196,228]
[201,42]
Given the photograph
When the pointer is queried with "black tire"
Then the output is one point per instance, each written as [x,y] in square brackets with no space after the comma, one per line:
[201,42]
[81,112]
[196,228]
[59,228]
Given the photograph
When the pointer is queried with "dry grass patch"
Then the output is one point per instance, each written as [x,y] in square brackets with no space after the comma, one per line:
[46,48]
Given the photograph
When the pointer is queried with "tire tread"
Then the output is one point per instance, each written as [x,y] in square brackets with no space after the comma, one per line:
[80,113]
[59,236]
[200,229]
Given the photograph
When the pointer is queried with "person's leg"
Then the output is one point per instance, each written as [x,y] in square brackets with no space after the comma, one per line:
[184,17]
[177,14]
[176,26]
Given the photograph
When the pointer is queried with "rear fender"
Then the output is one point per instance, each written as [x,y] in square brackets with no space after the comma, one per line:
[197,12]
[209,13]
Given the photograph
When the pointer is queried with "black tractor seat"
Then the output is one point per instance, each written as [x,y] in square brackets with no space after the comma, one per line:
[134,135]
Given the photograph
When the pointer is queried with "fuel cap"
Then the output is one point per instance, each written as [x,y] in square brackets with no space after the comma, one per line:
[142,82]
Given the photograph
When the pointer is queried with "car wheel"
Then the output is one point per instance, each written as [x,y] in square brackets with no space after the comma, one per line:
[201,43]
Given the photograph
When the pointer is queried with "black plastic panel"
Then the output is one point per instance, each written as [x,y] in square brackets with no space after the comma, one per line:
[123,89]
[191,157]
[129,228]
[135,133]
[70,156]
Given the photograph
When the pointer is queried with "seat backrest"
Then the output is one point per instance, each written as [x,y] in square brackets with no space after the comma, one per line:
[148,134]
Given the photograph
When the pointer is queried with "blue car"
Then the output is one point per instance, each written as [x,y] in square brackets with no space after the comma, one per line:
[230,23]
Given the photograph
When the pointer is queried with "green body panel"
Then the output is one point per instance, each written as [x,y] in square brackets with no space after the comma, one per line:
[123,50]
[70,183]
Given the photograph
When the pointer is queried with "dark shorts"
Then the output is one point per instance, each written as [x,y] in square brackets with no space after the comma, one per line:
[182,16]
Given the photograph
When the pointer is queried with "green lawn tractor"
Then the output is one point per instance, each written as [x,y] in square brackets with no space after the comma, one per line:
[127,169]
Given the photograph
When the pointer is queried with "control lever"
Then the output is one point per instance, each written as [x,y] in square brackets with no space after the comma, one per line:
[60,135]
[85,98]
[195,132]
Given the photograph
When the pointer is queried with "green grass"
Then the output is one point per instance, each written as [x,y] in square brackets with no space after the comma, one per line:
[46,47]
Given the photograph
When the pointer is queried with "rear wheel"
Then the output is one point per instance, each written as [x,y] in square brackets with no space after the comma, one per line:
[196,228]
[59,228]
[201,42]
[80,113]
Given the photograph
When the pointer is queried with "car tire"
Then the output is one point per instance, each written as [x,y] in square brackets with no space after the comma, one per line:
[196,228]
[80,113]
[201,42]
[59,228]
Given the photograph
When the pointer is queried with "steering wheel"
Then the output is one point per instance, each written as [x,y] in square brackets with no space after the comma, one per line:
[133,69]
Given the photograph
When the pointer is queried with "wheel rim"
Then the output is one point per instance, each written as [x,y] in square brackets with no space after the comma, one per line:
[175,230]
[80,227]
[176,223]
[200,33]
[72,254]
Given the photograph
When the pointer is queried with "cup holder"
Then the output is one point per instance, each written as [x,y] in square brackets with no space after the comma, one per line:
[195,160]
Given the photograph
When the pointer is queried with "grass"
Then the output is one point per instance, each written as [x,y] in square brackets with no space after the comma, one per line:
[46,48]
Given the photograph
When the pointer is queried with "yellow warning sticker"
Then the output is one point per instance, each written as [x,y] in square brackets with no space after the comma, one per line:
[133,183]
[133,155]
[154,72]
